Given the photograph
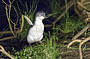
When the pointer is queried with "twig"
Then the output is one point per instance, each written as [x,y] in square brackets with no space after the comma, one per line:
[9,32]
[4,2]
[86,3]
[8,17]
[80,51]
[7,54]
[22,24]
[81,41]
[81,32]
[80,45]
[82,1]
[73,42]
[5,32]
[81,5]
[12,31]
[7,38]
[16,14]
[12,1]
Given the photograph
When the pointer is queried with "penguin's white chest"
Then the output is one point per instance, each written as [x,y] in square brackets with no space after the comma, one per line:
[36,33]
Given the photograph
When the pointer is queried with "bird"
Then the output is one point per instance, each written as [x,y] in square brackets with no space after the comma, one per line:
[35,33]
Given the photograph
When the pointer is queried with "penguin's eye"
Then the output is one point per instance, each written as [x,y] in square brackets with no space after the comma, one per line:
[43,14]
[40,14]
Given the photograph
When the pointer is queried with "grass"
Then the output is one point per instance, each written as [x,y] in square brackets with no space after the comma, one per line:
[27,8]
[48,49]
[50,46]
[52,41]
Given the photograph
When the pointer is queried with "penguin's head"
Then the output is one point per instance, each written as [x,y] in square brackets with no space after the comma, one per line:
[40,15]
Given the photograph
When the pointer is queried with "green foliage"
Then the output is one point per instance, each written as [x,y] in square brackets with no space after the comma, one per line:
[31,11]
[46,50]
[55,7]
[22,35]
[49,48]
[27,8]
[71,25]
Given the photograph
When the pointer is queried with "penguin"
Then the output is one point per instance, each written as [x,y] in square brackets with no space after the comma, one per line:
[35,33]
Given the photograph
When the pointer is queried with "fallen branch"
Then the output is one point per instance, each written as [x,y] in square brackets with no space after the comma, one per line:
[4,52]
[81,43]
[68,46]
[81,32]
[5,32]
[7,38]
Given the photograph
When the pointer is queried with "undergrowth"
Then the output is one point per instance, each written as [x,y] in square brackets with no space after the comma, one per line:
[51,43]
[48,49]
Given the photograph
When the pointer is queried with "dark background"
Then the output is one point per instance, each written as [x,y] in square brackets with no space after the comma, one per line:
[43,5]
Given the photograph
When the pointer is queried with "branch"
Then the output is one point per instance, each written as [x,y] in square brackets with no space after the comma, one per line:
[81,32]
[7,54]
[4,2]
[8,17]
[73,42]
[22,24]
[5,32]
[81,5]
[6,38]
[9,32]
[80,51]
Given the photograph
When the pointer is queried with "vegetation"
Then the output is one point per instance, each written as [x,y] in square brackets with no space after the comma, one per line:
[48,49]
[54,44]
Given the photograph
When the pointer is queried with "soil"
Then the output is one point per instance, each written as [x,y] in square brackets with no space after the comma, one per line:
[67,53]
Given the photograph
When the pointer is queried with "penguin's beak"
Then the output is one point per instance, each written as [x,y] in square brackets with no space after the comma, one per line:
[46,17]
